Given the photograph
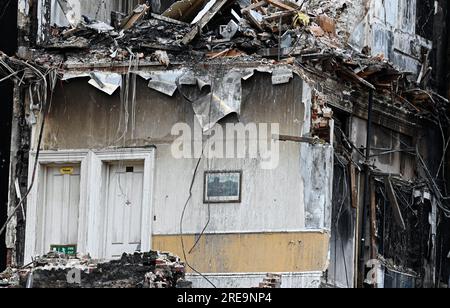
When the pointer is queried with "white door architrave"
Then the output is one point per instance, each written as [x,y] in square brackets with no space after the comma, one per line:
[93,181]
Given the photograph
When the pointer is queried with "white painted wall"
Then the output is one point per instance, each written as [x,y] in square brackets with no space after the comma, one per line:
[273,200]
[295,196]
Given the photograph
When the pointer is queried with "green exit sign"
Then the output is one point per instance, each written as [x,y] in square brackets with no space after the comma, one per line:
[70,250]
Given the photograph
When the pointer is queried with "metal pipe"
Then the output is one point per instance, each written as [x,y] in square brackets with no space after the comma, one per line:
[366,202]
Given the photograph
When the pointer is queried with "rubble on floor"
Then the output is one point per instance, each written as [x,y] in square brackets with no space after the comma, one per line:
[139,270]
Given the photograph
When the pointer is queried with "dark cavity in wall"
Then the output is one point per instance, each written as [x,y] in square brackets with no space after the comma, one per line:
[440,40]
[8,44]
[425,18]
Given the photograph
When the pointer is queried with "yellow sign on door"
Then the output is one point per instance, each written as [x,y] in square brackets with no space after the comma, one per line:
[66,170]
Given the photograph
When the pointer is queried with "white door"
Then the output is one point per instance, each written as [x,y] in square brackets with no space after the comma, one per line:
[61,203]
[124,209]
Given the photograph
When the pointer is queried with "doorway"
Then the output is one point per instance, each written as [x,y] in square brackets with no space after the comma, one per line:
[99,201]
[59,217]
[124,208]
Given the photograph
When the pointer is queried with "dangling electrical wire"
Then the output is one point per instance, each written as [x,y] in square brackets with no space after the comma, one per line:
[190,197]
[41,133]
[339,215]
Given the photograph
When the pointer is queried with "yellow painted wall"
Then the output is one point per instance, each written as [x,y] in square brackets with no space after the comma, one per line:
[254,252]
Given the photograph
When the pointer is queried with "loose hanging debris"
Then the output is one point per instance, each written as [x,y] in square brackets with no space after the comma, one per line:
[267,32]
[106,82]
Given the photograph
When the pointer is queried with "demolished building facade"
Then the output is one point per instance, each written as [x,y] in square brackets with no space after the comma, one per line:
[350,94]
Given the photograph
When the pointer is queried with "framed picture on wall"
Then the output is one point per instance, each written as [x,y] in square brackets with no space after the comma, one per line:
[223,187]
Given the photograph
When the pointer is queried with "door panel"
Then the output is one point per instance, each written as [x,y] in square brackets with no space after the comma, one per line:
[125,191]
[61,207]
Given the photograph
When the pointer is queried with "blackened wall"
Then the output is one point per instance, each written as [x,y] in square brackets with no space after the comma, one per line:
[8,44]
[445,226]
[424,19]
[448,51]
[440,40]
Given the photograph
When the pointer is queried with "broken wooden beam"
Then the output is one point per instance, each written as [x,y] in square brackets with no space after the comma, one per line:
[354,186]
[281,5]
[373,222]
[184,10]
[355,77]
[168,19]
[278,15]
[254,6]
[204,20]
[394,203]
[135,16]
[295,139]
[161,47]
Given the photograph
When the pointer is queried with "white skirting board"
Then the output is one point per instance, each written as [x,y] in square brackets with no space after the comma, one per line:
[252,280]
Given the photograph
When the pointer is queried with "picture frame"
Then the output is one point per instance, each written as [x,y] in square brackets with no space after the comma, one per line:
[222,187]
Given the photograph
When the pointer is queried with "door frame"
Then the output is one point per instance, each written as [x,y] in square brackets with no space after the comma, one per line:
[97,227]
[34,232]
[91,224]
[108,226]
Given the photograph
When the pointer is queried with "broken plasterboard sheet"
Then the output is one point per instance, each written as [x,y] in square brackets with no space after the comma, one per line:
[106,82]
[73,75]
[281,76]
[191,78]
[166,81]
[163,81]
[203,81]
[226,92]
[225,98]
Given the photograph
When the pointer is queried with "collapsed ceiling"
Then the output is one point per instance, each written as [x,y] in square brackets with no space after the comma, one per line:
[295,36]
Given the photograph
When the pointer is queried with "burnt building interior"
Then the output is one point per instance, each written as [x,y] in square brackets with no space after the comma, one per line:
[8,44]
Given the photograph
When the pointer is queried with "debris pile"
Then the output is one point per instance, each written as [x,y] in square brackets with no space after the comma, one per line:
[306,35]
[139,270]
[10,278]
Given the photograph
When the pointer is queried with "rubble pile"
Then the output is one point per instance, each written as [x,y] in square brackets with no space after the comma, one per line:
[226,28]
[9,278]
[139,270]
[309,36]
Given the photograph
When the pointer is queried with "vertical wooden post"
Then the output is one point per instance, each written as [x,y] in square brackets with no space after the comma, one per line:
[373,222]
